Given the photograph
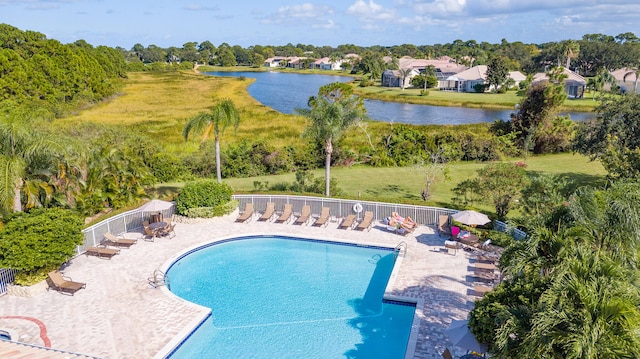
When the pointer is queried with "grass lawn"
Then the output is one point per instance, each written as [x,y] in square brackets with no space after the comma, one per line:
[404,184]
[462,99]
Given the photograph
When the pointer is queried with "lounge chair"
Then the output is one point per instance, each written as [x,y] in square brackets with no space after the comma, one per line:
[246,215]
[286,214]
[347,222]
[102,252]
[323,220]
[397,227]
[484,275]
[480,290]
[113,240]
[366,222]
[305,214]
[63,284]
[443,225]
[268,212]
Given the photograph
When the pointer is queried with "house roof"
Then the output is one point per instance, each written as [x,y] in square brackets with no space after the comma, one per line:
[572,77]
[619,74]
[517,76]
[479,72]
[475,73]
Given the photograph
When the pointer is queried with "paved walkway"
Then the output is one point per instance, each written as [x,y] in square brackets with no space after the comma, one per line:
[119,315]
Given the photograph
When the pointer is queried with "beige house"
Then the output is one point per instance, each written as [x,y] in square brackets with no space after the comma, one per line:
[627,79]
[444,66]
[466,81]
[574,84]
[280,61]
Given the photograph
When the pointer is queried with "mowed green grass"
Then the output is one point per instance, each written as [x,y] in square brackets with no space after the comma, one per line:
[405,184]
[464,99]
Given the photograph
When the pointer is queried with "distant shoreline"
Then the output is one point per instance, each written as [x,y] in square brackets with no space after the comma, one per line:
[410,95]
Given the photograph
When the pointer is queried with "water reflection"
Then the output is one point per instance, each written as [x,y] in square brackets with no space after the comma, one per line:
[284,92]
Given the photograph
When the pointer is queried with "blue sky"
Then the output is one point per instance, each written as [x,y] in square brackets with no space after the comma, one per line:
[329,22]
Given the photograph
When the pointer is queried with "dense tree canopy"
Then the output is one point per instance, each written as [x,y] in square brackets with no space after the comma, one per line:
[614,136]
[39,72]
[571,289]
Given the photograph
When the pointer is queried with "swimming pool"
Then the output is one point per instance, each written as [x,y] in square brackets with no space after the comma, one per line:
[283,297]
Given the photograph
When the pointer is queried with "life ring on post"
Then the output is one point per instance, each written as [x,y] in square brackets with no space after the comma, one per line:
[357,208]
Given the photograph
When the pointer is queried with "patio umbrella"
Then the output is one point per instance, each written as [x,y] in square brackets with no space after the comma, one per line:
[471,218]
[461,336]
[156,205]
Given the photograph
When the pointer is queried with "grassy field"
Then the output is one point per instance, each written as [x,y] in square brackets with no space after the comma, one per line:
[405,184]
[462,99]
[159,104]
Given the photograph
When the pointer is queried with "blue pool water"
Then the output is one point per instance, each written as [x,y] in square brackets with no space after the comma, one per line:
[277,297]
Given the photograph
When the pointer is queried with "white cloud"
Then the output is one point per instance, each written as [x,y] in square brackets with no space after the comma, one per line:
[370,11]
[306,12]
[328,25]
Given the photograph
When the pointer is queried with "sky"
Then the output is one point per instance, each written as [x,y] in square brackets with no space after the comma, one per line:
[165,23]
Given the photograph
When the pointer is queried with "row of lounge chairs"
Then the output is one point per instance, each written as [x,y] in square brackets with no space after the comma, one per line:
[103,250]
[304,217]
[66,285]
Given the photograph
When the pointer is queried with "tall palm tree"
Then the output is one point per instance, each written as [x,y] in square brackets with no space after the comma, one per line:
[221,116]
[332,112]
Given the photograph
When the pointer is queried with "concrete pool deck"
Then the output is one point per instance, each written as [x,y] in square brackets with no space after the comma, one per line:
[119,315]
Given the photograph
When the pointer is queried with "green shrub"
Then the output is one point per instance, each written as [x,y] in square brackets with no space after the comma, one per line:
[204,193]
[498,238]
[210,212]
[39,241]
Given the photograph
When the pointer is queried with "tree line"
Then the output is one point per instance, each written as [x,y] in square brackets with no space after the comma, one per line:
[43,73]
[586,56]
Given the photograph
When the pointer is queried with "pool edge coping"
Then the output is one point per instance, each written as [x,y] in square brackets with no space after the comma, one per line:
[182,335]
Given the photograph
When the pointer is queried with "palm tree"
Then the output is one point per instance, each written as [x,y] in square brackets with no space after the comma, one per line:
[404,75]
[332,112]
[221,116]
[602,78]
[18,147]
[590,311]
[570,49]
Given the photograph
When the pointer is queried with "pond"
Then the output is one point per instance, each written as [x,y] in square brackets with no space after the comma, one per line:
[284,92]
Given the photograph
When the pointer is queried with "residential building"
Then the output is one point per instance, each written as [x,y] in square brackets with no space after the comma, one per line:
[574,84]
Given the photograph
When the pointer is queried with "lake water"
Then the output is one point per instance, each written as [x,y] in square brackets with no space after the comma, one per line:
[284,92]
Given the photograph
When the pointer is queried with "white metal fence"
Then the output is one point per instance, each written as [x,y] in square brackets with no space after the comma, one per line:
[123,222]
[342,207]
[132,220]
[6,277]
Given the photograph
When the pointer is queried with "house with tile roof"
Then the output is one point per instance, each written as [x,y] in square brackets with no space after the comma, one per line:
[466,81]
[574,84]
[444,67]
